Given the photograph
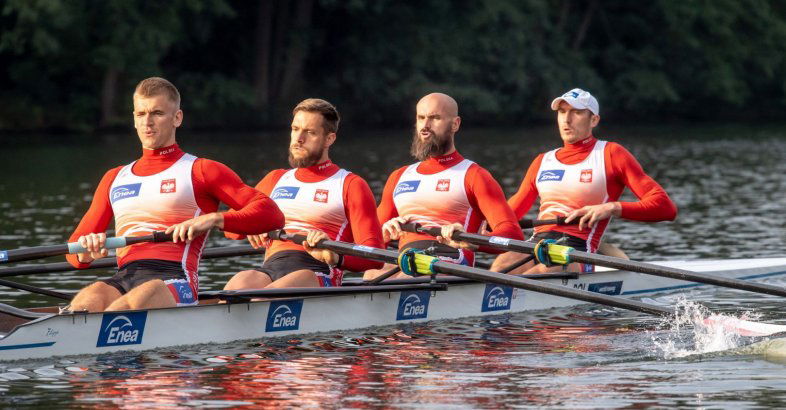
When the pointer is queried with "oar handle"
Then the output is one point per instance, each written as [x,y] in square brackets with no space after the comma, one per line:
[531,223]
[122,241]
[26,254]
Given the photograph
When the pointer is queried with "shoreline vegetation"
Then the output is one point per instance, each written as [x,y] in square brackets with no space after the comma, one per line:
[70,66]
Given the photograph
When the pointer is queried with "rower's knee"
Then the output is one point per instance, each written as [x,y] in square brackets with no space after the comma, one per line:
[507,259]
[248,279]
[149,295]
[95,297]
[303,278]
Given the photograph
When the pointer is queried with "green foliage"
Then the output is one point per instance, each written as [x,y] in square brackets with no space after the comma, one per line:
[73,64]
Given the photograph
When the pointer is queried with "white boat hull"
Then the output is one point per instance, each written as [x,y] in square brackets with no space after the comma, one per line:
[96,333]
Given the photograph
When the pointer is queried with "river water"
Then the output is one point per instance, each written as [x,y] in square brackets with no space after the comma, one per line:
[728,182]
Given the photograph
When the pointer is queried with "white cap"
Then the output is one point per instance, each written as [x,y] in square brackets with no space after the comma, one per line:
[579,99]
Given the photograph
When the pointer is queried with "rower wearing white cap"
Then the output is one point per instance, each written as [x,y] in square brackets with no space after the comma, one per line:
[583,181]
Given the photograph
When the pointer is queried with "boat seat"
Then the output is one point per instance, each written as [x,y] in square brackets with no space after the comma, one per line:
[21,313]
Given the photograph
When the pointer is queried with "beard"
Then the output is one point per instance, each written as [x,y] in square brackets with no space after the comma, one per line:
[311,159]
[434,146]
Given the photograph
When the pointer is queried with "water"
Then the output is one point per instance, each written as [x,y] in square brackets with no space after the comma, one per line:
[728,183]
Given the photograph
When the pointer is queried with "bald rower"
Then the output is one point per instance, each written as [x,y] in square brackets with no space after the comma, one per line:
[443,189]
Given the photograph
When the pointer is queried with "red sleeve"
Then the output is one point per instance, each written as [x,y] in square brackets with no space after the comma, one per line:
[654,204]
[265,186]
[485,194]
[98,216]
[252,212]
[522,200]
[387,208]
[361,211]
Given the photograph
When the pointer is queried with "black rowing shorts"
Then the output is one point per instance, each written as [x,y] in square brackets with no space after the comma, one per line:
[285,262]
[138,272]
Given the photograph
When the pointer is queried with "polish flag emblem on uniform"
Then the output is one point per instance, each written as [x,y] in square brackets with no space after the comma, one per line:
[443,185]
[321,195]
[168,186]
[586,175]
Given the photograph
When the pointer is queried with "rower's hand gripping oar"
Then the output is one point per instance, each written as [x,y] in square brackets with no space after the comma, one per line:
[411,260]
[553,254]
[26,254]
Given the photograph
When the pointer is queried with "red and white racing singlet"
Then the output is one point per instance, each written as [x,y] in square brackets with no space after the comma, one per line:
[314,205]
[436,199]
[143,204]
[565,188]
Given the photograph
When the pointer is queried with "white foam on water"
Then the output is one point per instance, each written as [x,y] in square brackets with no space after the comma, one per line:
[691,333]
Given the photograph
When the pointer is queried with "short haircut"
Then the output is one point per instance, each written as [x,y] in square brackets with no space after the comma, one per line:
[153,86]
[330,117]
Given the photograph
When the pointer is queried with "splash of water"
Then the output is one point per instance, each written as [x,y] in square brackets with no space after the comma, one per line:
[695,330]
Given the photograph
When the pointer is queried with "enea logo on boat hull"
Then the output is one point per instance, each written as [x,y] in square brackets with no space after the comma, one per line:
[496,297]
[119,329]
[284,315]
[285,192]
[413,305]
[551,175]
[124,191]
[406,186]
[606,288]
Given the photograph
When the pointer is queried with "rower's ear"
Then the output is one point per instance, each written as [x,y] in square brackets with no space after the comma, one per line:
[456,124]
[595,120]
[330,139]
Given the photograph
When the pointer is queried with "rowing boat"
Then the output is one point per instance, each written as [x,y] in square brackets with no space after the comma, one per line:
[43,332]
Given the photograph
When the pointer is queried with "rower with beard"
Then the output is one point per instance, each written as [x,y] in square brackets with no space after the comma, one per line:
[443,189]
[318,199]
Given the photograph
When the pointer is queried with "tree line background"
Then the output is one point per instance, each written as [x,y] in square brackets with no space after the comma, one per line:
[72,64]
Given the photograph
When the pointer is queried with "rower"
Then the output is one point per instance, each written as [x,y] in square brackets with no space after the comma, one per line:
[166,189]
[319,199]
[583,181]
[443,189]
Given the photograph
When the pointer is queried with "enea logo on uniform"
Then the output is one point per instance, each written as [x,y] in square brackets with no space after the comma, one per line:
[321,195]
[124,191]
[284,315]
[443,185]
[119,329]
[168,186]
[551,175]
[413,305]
[406,186]
[606,288]
[586,175]
[496,297]
[284,192]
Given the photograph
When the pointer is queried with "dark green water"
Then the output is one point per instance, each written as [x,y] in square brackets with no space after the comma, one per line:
[728,183]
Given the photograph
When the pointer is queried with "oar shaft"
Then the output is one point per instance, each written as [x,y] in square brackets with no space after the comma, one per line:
[37,252]
[485,276]
[44,268]
[35,289]
[610,262]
